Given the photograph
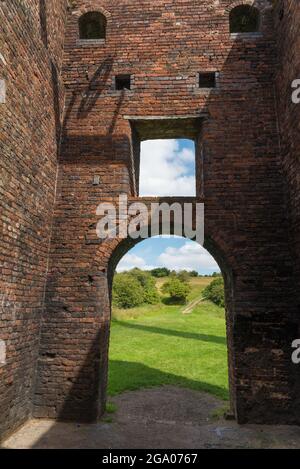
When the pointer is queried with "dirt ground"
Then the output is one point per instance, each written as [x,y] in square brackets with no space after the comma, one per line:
[165,417]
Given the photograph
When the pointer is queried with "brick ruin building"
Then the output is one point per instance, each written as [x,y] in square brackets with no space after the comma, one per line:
[70,134]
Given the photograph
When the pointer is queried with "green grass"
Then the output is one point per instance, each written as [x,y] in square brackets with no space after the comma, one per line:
[158,345]
[111,408]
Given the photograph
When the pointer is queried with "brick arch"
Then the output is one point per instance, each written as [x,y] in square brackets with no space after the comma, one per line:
[215,245]
[220,251]
[259,4]
[215,242]
[91,6]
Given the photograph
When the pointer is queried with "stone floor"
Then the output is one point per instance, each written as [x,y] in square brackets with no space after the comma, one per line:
[166,417]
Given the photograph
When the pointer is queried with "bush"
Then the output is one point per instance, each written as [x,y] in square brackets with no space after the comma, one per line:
[150,293]
[215,292]
[127,291]
[194,273]
[184,276]
[134,288]
[160,272]
[177,290]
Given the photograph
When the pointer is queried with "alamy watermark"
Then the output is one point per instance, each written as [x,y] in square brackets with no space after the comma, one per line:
[296,352]
[2,352]
[140,220]
[2,91]
[296,92]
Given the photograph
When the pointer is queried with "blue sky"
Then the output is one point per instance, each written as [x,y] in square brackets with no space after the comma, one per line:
[174,253]
[168,168]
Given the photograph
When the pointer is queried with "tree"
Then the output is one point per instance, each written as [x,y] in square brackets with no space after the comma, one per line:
[177,290]
[133,288]
[127,291]
[184,276]
[194,273]
[150,293]
[215,292]
[160,272]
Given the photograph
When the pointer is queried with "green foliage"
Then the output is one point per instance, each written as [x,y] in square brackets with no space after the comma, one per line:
[177,290]
[160,272]
[194,273]
[215,292]
[150,293]
[134,288]
[111,407]
[151,296]
[184,276]
[127,291]
[216,274]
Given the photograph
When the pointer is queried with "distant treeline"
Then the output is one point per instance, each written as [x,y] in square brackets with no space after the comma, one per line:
[160,272]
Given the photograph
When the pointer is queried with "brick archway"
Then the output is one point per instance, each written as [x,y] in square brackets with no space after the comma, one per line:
[217,251]
[85,397]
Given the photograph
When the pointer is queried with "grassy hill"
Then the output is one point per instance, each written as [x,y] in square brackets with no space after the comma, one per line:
[153,345]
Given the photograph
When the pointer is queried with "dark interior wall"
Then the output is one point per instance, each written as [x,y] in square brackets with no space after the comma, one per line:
[287,17]
[31,44]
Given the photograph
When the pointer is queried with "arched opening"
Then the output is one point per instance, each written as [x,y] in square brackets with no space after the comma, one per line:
[161,337]
[244,19]
[92,25]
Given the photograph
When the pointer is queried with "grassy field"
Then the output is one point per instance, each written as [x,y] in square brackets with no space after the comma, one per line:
[157,345]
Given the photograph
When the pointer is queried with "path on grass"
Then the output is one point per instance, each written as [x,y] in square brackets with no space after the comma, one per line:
[190,307]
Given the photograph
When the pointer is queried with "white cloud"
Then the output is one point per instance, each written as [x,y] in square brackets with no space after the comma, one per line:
[190,256]
[129,261]
[165,169]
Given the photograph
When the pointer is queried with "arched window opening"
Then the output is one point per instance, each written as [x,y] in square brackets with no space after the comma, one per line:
[244,19]
[92,25]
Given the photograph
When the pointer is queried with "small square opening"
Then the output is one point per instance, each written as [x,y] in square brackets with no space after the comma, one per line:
[123,82]
[166,155]
[207,80]
[167,168]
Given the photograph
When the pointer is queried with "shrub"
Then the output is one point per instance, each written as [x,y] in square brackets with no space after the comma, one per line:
[150,293]
[194,273]
[127,291]
[215,292]
[177,290]
[184,276]
[134,288]
[160,272]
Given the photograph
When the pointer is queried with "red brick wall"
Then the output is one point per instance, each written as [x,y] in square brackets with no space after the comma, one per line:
[287,16]
[30,121]
[164,44]
[287,20]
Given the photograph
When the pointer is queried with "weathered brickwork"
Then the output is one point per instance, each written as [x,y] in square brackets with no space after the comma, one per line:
[287,22]
[30,66]
[287,17]
[163,45]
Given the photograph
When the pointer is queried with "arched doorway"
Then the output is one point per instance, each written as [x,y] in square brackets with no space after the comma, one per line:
[124,369]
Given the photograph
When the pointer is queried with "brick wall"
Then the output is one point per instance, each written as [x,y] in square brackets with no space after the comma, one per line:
[287,16]
[287,20]
[32,34]
[164,45]
[248,178]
